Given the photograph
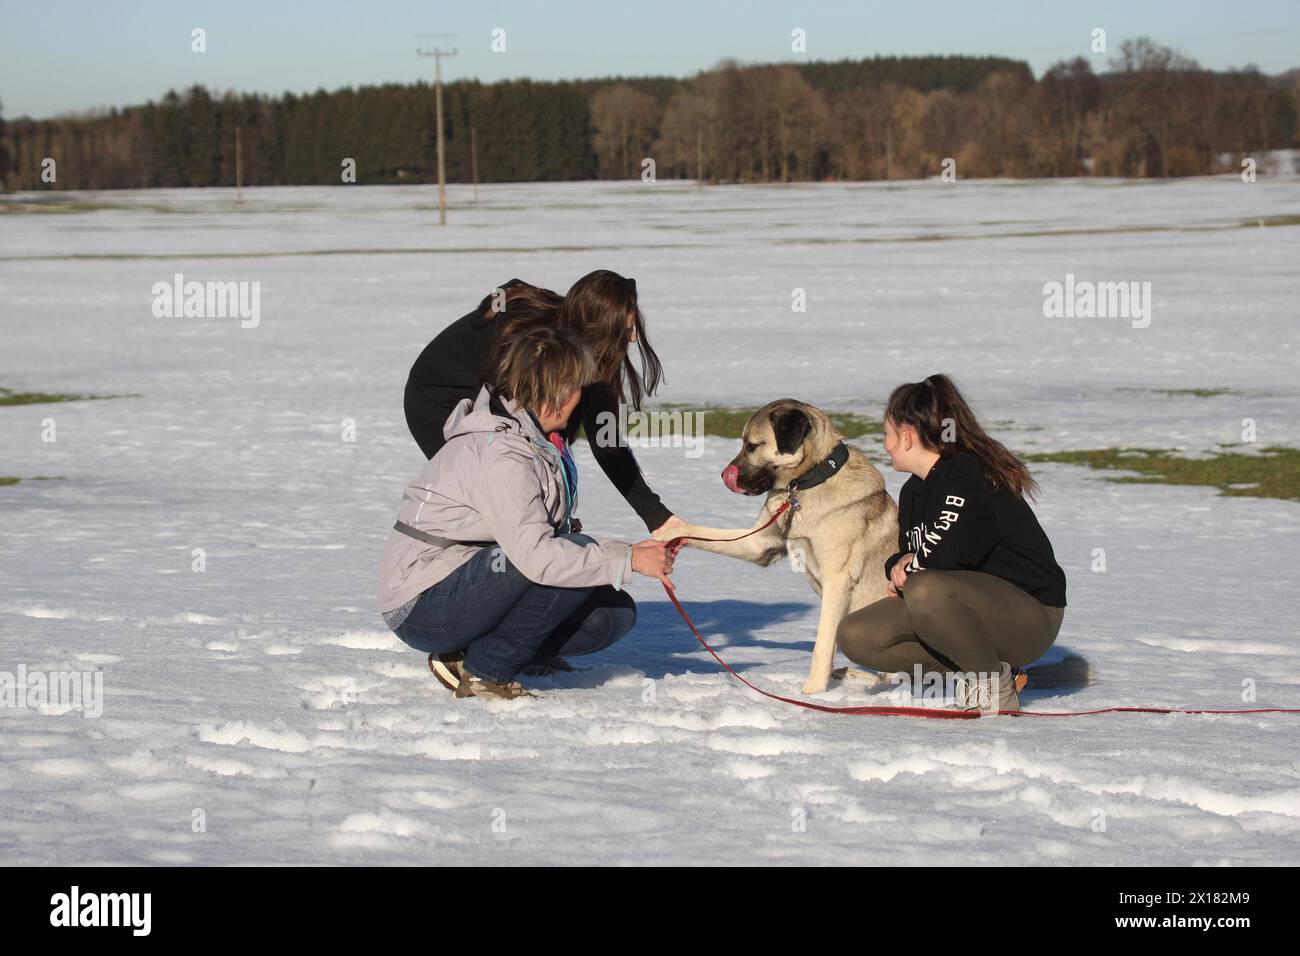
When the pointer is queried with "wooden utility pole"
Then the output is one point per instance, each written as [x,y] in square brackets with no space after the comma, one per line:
[437,55]
[473,160]
[239,167]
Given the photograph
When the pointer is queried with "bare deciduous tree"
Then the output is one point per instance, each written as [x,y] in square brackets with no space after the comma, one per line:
[624,120]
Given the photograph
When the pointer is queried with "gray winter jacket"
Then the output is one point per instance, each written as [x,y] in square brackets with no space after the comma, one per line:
[500,481]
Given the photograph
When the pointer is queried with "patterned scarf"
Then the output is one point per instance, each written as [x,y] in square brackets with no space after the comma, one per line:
[566,459]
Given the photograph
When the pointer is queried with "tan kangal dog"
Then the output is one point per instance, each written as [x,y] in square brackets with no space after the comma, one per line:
[844,526]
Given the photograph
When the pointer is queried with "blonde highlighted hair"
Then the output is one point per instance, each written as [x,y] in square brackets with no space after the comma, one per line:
[542,366]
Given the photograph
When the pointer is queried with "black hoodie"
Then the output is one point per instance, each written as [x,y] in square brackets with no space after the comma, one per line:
[954,520]
[452,367]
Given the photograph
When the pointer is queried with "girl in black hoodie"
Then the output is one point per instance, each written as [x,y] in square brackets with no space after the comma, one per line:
[601,308]
[974,586]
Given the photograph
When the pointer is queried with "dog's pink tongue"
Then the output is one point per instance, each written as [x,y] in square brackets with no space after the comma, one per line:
[729,476]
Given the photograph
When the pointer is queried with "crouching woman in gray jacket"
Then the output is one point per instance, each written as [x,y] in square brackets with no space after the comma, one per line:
[483,571]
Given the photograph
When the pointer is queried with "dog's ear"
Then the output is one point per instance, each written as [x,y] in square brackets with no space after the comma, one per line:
[790,426]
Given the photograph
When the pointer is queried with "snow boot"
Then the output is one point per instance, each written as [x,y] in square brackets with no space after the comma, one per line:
[1021,677]
[979,694]
[472,686]
[448,668]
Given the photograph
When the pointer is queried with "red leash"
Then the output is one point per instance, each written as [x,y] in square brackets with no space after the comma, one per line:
[930,712]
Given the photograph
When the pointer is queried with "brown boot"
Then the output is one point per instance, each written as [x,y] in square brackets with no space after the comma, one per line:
[1021,677]
[448,668]
[471,686]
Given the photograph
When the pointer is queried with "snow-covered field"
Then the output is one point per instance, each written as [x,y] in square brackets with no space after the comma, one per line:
[265,699]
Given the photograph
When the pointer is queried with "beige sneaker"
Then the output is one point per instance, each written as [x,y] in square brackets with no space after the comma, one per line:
[471,686]
[980,694]
[448,668]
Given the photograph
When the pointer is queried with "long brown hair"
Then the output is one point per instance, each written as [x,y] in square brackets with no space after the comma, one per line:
[597,307]
[935,406]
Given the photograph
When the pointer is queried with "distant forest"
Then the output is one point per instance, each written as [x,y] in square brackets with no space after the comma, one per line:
[1153,113]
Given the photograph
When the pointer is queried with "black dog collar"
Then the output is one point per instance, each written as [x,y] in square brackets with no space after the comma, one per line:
[828,467]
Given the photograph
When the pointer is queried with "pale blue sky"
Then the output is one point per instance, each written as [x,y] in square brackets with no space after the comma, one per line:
[96,53]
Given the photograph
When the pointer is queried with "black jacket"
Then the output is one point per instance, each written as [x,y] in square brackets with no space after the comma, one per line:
[453,366]
[954,520]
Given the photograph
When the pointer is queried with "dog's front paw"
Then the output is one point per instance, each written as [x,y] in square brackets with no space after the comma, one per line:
[667,534]
[814,685]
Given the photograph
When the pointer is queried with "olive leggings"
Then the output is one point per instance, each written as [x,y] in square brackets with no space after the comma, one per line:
[951,621]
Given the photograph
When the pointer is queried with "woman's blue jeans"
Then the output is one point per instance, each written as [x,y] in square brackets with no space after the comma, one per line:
[503,621]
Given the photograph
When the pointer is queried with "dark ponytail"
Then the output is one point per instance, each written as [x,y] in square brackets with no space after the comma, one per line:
[936,409]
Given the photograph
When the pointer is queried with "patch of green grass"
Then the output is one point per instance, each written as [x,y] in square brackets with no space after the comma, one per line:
[9,397]
[309,253]
[42,205]
[10,480]
[728,421]
[54,203]
[1197,392]
[1285,219]
[1273,473]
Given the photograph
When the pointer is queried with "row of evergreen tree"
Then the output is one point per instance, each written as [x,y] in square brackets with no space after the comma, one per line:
[1154,113]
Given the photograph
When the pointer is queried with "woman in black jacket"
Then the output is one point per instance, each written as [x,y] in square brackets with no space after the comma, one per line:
[981,592]
[602,309]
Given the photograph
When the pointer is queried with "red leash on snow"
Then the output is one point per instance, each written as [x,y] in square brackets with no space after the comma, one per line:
[929,712]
